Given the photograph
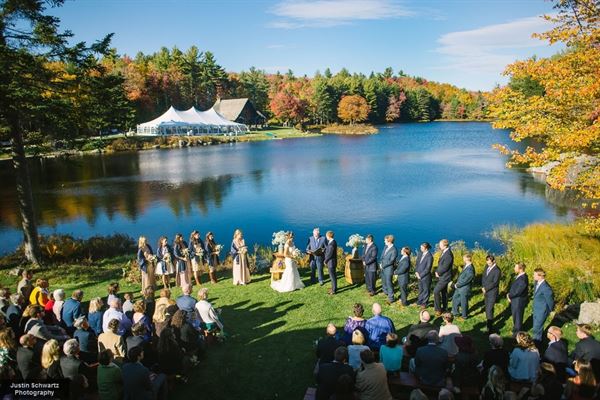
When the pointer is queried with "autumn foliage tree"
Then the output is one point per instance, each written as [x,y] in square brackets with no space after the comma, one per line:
[352,109]
[556,101]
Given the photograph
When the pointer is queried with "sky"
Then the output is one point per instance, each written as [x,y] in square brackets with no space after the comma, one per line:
[467,43]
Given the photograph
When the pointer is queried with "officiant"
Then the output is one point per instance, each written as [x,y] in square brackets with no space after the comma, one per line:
[316,249]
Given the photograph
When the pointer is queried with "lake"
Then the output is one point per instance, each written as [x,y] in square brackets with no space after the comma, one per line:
[419,181]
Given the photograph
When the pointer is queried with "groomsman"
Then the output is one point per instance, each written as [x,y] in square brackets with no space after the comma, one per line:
[315,248]
[402,273]
[388,262]
[490,282]
[517,297]
[462,288]
[331,260]
[423,273]
[370,262]
[543,303]
[444,275]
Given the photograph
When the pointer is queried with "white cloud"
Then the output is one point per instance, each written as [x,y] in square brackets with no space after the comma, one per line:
[327,13]
[490,48]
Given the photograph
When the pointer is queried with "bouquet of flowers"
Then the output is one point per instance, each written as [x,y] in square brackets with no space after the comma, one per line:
[279,238]
[355,241]
[150,257]
[218,248]
[199,252]
[186,252]
[167,257]
[296,253]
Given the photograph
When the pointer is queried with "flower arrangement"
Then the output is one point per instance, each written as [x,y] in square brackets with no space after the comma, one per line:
[199,252]
[186,252]
[167,257]
[279,238]
[218,248]
[296,253]
[355,241]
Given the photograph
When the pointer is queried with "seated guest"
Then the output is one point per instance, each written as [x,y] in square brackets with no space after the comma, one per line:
[51,360]
[72,366]
[495,386]
[113,293]
[163,301]
[149,302]
[138,382]
[8,355]
[209,316]
[49,317]
[160,319]
[524,359]
[497,355]
[170,355]
[588,348]
[4,300]
[114,312]
[344,389]
[548,379]
[371,379]
[25,287]
[14,312]
[584,384]
[465,363]
[378,327]
[186,302]
[113,341]
[28,360]
[95,314]
[448,332]
[354,350]
[355,322]
[127,307]
[391,354]
[59,302]
[72,309]
[556,352]
[187,337]
[417,394]
[87,339]
[39,294]
[326,346]
[110,381]
[430,364]
[329,374]
[44,332]
[417,332]
[139,316]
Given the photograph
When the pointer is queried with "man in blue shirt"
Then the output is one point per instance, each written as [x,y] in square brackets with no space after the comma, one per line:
[72,309]
[378,327]
[186,302]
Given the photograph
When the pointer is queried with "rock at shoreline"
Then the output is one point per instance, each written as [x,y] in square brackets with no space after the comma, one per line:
[589,313]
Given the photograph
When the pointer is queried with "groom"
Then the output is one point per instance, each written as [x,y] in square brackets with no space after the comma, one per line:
[315,248]
[331,260]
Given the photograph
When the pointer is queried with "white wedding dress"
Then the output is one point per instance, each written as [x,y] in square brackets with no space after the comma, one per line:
[290,279]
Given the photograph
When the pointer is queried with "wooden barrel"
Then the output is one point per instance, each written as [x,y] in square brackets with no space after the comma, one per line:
[355,271]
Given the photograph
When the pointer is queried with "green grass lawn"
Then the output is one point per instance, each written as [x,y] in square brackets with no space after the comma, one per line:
[270,351]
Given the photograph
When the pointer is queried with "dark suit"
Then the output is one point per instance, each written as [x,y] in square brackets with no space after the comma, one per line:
[431,365]
[28,362]
[462,290]
[518,293]
[423,268]
[557,355]
[444,271]
[543,304]
[402,272]
[328,376]
[136,382]
[388,260]
[316,246]
[587,349]
[370,259]
[490,281]
[326,348]
[330,260]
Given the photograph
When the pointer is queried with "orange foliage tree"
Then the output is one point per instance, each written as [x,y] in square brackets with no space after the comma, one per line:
[352,109]
[556,101]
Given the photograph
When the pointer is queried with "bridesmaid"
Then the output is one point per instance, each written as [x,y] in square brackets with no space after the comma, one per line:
[164,266]
[145,259]
[212,256]
[197,255]
[239,252]
[182,255]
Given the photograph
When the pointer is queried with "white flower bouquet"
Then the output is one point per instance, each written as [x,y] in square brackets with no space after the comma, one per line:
[167,257]
[218,248]
[355,241]
[199,253]
[296,253]
[278,238]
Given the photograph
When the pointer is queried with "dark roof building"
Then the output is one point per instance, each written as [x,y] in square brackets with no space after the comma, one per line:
[239,110]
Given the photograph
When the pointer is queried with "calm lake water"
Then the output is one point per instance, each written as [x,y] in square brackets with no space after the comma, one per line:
[420,182]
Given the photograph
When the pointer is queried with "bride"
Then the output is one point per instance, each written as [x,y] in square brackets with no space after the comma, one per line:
[290,279]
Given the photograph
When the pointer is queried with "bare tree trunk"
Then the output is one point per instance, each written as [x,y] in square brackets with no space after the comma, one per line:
[25,197]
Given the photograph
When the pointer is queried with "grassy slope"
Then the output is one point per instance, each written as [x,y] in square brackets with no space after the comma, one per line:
[270,352]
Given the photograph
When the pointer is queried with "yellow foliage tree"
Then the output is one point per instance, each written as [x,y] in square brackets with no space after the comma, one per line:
[352,109]
[556,100]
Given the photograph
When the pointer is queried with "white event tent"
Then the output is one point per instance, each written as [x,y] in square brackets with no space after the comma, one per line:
[190,122]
